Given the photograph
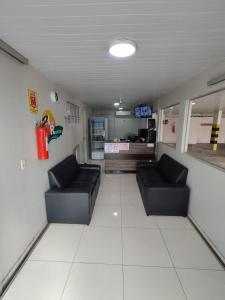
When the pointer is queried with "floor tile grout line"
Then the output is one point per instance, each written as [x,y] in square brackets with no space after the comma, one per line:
[157,223]
[120,227]
[72,264]
[199,269]
[67,279]
[141,227]
[122,239]
[127,265]
[165,244]
[78,244]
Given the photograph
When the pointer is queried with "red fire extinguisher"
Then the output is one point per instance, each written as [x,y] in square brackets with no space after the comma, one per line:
[42,143]
[42,140]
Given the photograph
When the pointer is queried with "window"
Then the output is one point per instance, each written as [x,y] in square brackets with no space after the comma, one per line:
[206,133]
[169,123]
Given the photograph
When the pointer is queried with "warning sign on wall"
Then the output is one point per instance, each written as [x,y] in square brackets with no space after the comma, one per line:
[33,101]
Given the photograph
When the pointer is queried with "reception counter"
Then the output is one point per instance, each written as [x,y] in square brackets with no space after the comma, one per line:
[124,157]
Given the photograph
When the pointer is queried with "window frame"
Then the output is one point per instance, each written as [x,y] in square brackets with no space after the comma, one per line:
[186,131]
[161,116]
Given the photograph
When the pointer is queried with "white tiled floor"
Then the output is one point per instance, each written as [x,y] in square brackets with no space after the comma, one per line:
[151,283]
[100,245]
[59,243]
[188,250]
[144,247]
[122,255]
[94,281]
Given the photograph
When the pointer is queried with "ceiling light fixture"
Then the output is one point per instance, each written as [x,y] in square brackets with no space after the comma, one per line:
[118,103]
[122,48]
[193,103]
[120,108]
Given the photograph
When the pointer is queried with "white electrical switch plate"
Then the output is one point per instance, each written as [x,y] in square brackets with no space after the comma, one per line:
[22,164]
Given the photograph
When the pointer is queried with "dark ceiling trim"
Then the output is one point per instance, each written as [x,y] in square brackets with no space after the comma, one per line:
[216,80]
[208,94]
[13,53]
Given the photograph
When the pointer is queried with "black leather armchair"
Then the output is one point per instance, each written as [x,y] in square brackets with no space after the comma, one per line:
[73,191]
[163,187]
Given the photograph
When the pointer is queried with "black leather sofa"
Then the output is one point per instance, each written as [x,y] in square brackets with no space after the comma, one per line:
[73,191]
[163,187]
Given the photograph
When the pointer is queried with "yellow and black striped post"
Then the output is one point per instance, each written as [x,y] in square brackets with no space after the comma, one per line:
[214,136]
[215,131]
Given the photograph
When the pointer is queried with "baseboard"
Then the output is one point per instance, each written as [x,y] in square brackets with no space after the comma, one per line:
[20,262]
[208,241]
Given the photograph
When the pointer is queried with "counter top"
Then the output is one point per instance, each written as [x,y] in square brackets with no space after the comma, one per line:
[124,156]
[126,142]
[111,147]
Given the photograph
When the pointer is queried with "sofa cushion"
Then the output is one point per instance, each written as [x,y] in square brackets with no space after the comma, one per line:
[87,176]
[90,167]
[87,186]
[63,173]
[151,176]
[172,170]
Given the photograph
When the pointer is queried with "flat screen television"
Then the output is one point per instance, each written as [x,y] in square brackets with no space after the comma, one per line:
[143,111]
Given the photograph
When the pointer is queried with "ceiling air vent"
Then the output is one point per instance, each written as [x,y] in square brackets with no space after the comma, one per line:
[123,113]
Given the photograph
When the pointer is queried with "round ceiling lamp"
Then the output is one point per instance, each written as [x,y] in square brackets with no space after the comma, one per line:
[122,48]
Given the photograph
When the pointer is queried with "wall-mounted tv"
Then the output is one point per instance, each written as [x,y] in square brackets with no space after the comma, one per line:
[143,111]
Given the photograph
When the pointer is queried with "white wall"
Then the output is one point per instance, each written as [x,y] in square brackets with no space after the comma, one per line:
[207,204]
[202,134]
[120,127]
[197,132]
[222,132]
[128,126]
[168,135]
[22,206]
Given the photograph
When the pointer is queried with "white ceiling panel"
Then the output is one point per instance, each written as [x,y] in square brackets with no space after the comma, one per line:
[68,41]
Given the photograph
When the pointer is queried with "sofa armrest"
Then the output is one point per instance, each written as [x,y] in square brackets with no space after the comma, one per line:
[68,205]
[167,187]
[169,200]
[69,190]
[90,167]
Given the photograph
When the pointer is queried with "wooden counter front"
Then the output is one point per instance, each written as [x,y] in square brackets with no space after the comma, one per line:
[126,160]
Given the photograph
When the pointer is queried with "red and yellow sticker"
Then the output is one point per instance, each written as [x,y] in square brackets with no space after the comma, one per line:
[51,118]
[33,101]
[48,120]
